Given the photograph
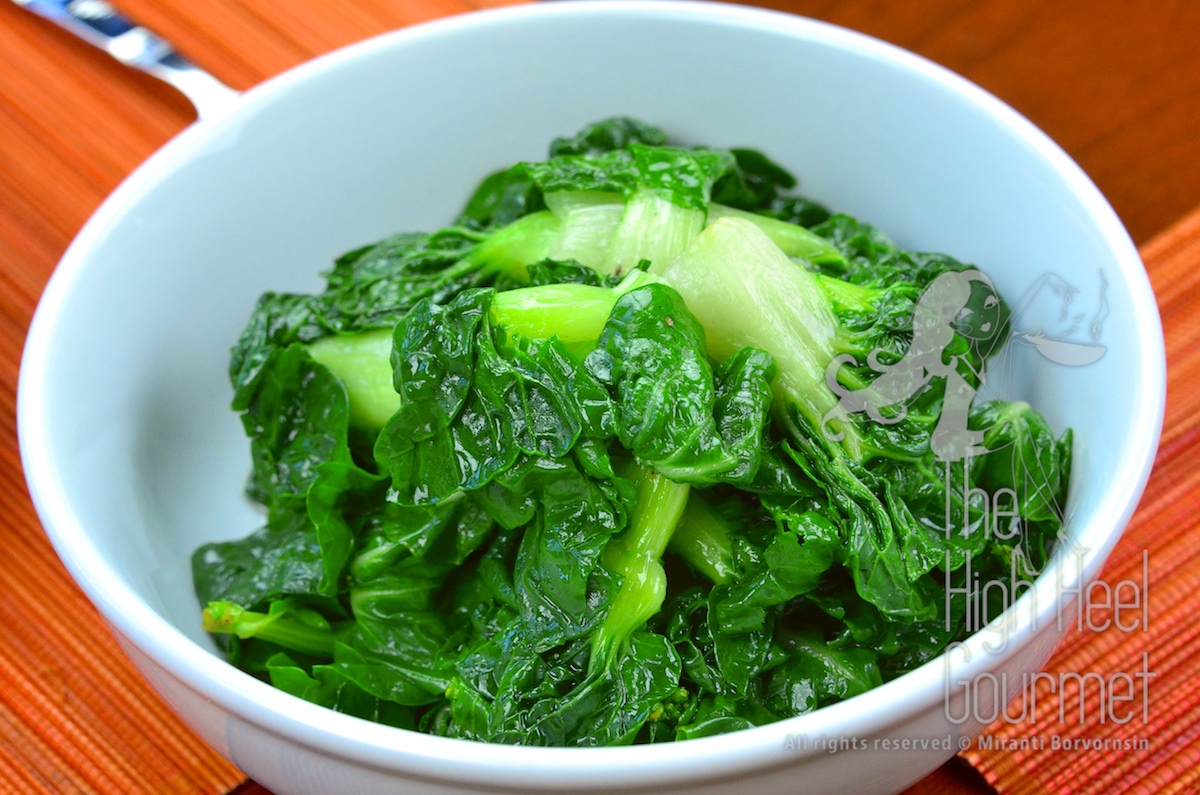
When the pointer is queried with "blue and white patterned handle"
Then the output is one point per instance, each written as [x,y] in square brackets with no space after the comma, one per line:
[99,24]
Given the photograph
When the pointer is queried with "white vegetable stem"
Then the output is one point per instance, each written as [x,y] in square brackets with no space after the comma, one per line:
[745,291]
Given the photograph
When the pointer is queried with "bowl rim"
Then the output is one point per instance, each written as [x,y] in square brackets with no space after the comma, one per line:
[439,758]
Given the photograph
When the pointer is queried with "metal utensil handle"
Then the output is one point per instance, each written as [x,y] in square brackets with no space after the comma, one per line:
[98,23]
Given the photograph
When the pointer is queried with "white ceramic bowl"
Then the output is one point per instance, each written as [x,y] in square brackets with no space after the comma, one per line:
[133,458]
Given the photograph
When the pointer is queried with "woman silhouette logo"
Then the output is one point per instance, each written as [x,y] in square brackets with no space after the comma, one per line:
[935,321]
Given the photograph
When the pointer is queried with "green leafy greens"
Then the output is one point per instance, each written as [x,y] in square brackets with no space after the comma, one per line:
[640,448]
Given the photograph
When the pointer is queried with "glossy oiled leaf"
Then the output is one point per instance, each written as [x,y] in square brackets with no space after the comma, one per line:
[754,182]
[557,576]
[284,557]
[1025,458]
[371,287]
[815,674]
[742,409]
[669,411]
[376,286]
[723,663]
[338,501]
[297,420]
[605,136]
[682,176]
[501,199]
[509,693]
[278,320]
[327,686]
[470,405]
[793,561]
[874,554]
[400,661]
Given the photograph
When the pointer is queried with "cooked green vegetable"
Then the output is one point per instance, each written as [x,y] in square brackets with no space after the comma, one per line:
[642,447]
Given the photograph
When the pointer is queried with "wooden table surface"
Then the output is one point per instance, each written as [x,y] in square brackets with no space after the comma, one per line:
[1116,84]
